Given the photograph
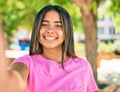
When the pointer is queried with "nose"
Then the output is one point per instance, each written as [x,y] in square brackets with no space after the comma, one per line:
[51,30]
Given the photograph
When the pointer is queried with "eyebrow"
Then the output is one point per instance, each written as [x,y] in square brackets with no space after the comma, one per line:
[54,21]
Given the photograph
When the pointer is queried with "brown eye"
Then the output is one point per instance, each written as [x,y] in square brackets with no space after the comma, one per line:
[44,25]
[58,26]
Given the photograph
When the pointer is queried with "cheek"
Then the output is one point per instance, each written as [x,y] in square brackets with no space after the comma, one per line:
[62,38]
[40,37]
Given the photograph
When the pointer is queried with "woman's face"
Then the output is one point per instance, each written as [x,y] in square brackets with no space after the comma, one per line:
[51,31]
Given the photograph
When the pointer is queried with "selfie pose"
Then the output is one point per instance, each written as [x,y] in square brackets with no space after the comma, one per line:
[51,65]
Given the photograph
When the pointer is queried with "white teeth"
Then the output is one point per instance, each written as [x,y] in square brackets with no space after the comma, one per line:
[50,38]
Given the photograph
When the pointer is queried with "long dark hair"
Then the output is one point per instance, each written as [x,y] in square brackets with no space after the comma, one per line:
[68,44]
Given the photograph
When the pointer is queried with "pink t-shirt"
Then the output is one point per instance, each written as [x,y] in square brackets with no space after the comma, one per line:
[48,76]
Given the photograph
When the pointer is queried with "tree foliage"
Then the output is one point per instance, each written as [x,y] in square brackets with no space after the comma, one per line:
[14,13]
[22,12]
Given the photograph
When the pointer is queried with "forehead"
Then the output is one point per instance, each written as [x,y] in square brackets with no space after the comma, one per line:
[52,15]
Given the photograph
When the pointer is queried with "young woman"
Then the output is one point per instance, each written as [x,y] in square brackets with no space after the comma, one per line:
[51,65]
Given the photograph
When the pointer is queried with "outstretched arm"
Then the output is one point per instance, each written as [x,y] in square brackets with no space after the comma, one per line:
[13,79]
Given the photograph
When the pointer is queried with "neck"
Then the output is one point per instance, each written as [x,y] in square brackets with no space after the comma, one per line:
[54,55]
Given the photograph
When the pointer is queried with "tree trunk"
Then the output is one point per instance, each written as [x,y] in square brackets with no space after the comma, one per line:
[89,25]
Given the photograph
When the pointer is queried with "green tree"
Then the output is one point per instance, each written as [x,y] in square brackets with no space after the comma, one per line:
[88,8]
[16,12]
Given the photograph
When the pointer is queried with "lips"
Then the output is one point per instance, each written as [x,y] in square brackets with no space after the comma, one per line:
[50,38]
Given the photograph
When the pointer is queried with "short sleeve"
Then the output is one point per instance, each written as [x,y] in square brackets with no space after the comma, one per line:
[24,59]
[92,86]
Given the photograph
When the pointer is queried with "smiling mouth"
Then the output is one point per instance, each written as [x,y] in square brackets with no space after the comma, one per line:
[50,38]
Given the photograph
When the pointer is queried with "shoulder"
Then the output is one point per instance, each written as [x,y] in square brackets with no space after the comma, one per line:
[81,61]
[26,59]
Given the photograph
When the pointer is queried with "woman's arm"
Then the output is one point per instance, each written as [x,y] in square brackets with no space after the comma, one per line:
[13,79]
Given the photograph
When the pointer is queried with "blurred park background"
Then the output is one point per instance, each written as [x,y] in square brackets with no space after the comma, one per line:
[96,32]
